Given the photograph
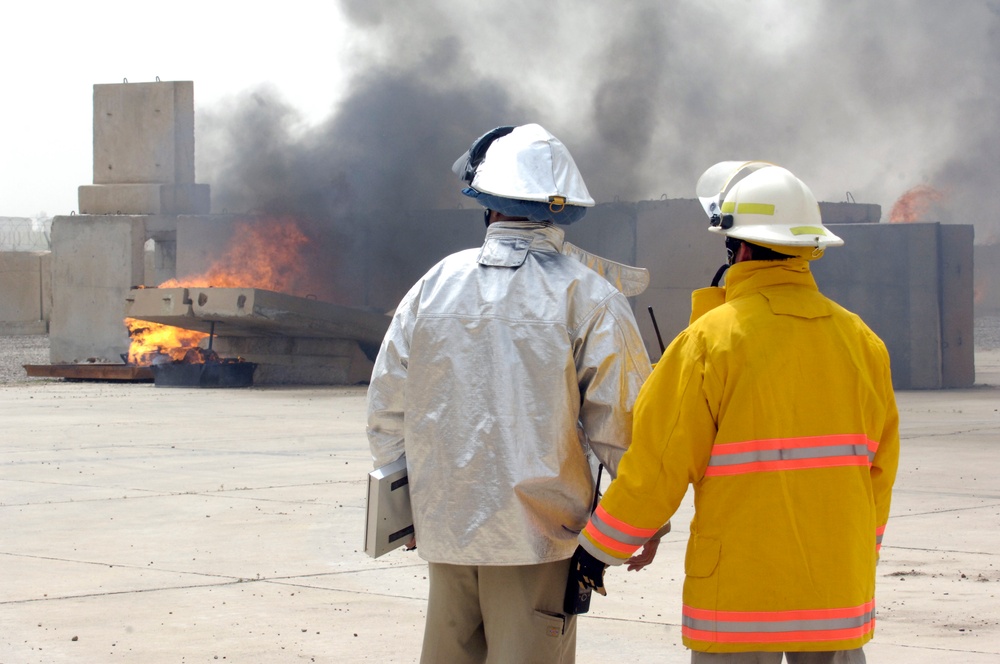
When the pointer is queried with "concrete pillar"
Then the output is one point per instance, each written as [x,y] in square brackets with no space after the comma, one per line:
[96,260]
[144,151]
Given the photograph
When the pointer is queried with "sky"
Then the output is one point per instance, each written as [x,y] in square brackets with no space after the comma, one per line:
[323,108]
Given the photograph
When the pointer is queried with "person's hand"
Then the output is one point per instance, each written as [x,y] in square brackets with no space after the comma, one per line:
[587,570]
[646,556]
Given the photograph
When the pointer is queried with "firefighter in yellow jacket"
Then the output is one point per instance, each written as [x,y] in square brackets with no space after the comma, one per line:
[777,405]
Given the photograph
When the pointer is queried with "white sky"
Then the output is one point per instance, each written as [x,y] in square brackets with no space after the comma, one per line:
[54,52]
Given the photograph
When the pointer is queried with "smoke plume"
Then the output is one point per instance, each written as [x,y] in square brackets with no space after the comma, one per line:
[862,100]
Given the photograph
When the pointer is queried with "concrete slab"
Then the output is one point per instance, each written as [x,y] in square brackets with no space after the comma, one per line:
[252,312]
[182,525]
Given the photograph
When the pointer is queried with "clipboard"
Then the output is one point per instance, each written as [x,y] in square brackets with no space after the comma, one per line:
[388,518]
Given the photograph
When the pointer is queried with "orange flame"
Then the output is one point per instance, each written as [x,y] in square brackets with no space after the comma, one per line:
[913,205]
[263,254]
[151,341]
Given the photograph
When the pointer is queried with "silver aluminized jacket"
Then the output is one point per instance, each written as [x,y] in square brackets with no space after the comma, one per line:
[502,369]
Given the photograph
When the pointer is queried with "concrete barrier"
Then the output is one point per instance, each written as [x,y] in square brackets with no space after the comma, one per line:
[26,289]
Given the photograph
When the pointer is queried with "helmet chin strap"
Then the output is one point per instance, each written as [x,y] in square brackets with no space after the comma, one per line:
[732,246]
[718,275]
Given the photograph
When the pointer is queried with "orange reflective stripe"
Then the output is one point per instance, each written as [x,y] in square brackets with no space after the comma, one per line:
[791,454]
[878,538]
[778,626]
[622,527]
[779,637]
[610,542]
[772,616]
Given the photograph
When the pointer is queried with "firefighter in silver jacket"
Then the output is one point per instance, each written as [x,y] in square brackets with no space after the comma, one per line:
[504,370]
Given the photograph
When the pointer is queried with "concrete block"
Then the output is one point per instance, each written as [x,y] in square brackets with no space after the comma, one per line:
[287,360]
[987,279]
[888,274]
[286,345]
[23,281]
[46,271]
[160,199]
[14,329]
[958,361]
[95,263]
[340,372]
[672,308]
[144,133]
[385,263]
[850,213]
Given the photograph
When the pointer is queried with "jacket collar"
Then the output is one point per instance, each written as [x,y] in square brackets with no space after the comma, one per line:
[542,236]
[751,276]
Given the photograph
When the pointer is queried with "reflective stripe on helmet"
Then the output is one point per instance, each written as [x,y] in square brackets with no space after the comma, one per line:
[749,208]
[807,230]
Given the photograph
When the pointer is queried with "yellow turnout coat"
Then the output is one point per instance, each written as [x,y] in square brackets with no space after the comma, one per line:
[778,407]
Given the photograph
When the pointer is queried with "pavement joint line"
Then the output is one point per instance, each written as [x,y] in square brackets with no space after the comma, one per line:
[117,565]
[350,591]
[138,591]
[919,647]
[946,511]
[925,549]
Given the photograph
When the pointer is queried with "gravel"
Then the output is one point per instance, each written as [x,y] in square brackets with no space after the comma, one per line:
[16,351]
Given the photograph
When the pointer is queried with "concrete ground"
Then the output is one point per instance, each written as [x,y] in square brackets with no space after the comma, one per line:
[155,525]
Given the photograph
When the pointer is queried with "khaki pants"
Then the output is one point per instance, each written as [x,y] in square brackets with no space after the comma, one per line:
[498,615]
[832,657]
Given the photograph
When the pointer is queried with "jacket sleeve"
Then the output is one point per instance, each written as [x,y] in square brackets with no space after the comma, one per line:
[611,364]
[886,461]
[673,434]
[387,388]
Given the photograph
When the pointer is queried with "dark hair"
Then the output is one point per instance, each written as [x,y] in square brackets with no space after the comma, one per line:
[757,252]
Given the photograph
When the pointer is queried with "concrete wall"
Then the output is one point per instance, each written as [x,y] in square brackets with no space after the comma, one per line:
[911,283]
[25,292]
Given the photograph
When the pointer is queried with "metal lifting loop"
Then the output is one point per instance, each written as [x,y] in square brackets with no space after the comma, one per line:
[557,204]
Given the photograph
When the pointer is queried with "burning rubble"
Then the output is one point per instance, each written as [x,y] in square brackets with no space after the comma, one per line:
[263,254]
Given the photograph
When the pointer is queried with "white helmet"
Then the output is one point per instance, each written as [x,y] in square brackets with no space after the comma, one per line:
[763,204]
[525,163]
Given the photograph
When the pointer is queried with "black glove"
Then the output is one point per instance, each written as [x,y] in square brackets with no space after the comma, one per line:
[586,574]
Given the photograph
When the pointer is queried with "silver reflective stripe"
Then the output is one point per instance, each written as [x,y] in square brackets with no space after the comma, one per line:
[789,454]
[820,625]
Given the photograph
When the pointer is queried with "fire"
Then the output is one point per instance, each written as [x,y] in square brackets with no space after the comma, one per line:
[263,254]
[913,205]
[153,341]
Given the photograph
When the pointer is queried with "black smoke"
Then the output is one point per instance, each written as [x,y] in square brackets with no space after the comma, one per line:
[862,100]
